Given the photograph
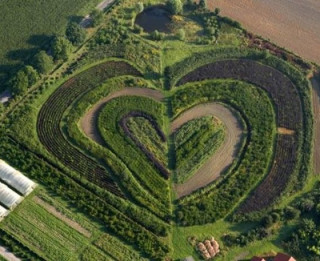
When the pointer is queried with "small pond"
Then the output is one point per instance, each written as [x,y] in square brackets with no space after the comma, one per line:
[154,18]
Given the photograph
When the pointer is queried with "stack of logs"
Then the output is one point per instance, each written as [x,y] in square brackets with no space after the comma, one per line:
[209,248]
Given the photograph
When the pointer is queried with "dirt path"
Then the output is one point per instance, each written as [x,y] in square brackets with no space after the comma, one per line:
[293,24]
[225,154]
[213,167]
[89,121]
[316,113]
[8,255]
[62,217]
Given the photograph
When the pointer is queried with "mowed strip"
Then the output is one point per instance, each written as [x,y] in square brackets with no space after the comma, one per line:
[62,217]
[89,122]
[293,24]
[223,157]
[316,113]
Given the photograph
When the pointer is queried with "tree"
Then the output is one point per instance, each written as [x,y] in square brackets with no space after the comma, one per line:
[139,7]
[97,17]
[203,4]
[175,6]
[61,48]
[75,33]
[19,83]
[42,62]
[217,11]
[31,74]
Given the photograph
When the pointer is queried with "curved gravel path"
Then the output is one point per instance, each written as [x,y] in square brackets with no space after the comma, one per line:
[89,121]
[213,167]
[225,154]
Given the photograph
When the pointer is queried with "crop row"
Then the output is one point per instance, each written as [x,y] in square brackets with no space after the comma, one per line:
[250,166]
[48,125]
[124,124]
[194,142]
[117,223]
[279,176]
[138,163]
[125,177]
[287,103]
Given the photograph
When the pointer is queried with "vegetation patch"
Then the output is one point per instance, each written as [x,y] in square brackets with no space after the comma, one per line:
[194,142]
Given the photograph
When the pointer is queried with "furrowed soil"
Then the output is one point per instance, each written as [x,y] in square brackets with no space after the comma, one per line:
[293,24]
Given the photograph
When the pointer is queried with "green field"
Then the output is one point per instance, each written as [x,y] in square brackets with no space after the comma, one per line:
[27,26]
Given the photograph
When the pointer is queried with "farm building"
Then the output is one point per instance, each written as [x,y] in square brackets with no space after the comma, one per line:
[3,212]
[15,179]
[8,197]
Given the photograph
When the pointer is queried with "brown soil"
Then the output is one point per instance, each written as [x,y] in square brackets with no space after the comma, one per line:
[8,255]
[316,112]
[293,24]
[222,158]
[89,122]
[285,131]
[62,217]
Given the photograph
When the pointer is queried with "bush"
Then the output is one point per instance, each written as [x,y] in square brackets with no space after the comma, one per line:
[291,213]
[203,5]
[139,7]
[157,36]
[181,35]
[175,6]
[42,62]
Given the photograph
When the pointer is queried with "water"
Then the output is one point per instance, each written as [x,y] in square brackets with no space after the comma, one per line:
[154,18]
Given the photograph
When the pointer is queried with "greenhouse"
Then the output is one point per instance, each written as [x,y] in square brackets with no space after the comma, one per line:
[8,197]
[15,179]
[3,212]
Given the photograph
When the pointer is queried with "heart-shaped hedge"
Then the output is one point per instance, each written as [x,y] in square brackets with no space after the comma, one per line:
[126,167]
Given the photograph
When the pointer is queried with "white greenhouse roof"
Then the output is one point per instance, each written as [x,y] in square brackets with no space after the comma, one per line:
[8,197]
[15,179]
[3,212]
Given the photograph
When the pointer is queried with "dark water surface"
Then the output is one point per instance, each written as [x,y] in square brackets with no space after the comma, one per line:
[154,18]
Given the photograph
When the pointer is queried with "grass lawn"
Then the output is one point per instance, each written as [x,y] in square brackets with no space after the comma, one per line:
[183,248]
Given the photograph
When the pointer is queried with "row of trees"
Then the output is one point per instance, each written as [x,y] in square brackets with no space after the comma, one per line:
[59,49]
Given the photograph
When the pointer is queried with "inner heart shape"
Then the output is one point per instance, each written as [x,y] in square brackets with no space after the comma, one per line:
[213,125]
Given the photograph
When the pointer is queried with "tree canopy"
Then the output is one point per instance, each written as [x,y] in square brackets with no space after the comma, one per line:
[61,48]
[75,33]
[42,62]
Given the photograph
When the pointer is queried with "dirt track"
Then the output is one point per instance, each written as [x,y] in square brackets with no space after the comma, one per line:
[225,154]
[316,112]
[293,24]
[89,121]
[8,255]
[213,167]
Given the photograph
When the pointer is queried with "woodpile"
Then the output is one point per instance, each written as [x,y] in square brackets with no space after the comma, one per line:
[209,248]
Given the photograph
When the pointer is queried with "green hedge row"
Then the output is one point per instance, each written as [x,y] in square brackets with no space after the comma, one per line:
[254,162]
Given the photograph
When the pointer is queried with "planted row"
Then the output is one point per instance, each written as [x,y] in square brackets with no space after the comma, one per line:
[249,167]
[48,125]
[123,146]
[94,207]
